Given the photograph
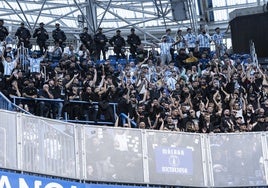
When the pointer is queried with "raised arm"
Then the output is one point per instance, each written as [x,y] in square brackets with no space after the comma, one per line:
[71,81]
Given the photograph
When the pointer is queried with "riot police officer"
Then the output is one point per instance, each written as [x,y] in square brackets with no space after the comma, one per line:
[59,36]
[100,41]
[134,41]
[41,36]
[24,36]
[86,39]
[3,31]
[118,42]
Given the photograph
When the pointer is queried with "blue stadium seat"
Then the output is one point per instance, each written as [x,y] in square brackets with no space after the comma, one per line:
[112,57]
[132,60]
[98,62]
[113,63]
[122,61]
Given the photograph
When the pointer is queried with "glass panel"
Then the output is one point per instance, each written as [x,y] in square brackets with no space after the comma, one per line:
[114,155]
[8,141]
[237,160]
[48,147]
[175,159]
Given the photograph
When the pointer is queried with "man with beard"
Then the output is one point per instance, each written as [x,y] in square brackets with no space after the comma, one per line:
[35,62]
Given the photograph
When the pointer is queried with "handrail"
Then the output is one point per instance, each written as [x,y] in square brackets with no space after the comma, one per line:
[10,105]
[15,98]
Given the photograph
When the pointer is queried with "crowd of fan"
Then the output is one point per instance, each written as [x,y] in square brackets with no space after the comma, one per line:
[193,90]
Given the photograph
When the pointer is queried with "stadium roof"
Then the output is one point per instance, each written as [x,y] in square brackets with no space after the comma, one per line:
[149,17]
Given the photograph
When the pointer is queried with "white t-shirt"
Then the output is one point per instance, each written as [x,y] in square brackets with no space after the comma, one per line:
[9,66]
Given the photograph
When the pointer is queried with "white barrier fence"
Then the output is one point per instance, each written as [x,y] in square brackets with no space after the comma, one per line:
[121,155]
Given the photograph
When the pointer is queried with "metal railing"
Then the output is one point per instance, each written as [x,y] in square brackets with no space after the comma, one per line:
[6,104]
[124,155]
[66,115]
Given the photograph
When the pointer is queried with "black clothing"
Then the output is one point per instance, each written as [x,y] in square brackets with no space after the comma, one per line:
[73,108]
[11,91]
[56,92]
[260,126]
[133,40]
[105,111]
[31,91]
[41,36]
[3,33]
[156,110]
[118,43]
[3,82]
[43,106]
[180,60]
[170,126]
[100,42]
[123,106]
[89,109]
[59,36]
[56,107]
[24,36]
[87,40]
[227,124]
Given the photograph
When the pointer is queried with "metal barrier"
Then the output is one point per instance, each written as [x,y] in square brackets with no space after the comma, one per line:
[8,141]
[132,156]
[176,159]
[66,116]
[48,147]
[238,159]
[113,155]
[6,104]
